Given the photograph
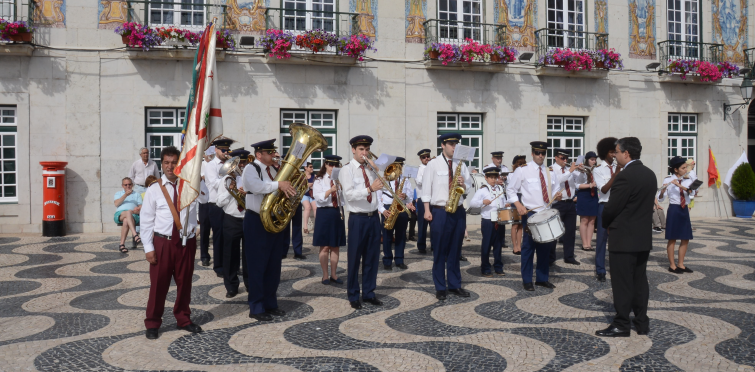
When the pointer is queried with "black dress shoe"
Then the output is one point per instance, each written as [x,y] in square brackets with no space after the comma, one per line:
[600,277]
[412,238]
[356,304]
[262,317]
[517,253]
[300,257]
[572,261]
[440,295]
[388,267]
[462,258]
[219,274]
[373,301]
[612,331]
[642,333]
[231,294]
[487,275]
[205,262]
[545,284]
[275,312]
[500,273]
[402,266]
[152,334]
[422,252]
[191,327]
[459,292]
[686,269]
[676,271]
[529,287]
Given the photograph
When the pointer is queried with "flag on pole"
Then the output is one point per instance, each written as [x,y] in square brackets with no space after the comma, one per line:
[713,176]
[727,181]
[204,122]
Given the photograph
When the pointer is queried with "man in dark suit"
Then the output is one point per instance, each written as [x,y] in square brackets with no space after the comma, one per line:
[627,215]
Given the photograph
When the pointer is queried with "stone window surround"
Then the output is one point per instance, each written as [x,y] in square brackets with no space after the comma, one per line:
[578,24]
[475,14]
[680,140]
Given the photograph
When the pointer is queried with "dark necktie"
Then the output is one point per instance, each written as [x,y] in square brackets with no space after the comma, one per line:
[542,185]
[450,174]
[568,192]
[333,196]
[682,202]
[367,184]
[590,179]
[268,173]
[610,168]
[175,233]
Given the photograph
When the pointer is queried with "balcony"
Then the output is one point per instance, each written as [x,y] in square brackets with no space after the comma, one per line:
[456,33]
[550,40]
[676,50]
[17,11]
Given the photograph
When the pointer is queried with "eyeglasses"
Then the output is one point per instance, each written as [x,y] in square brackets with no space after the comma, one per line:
[128,184]
[563,157]
[539,152]
[425,157]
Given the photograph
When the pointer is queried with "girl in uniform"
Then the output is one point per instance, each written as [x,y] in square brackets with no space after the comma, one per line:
[330,230]
[678,225]
[587,202]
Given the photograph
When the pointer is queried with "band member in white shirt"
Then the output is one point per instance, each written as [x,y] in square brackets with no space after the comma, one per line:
[446,229]
[424,158]
[496,158]
[212,180]
[678,224]
[169,258]
[360,186]
[330,229]
[402,221]
[566,206]
[490,198]
[263,250]
[204,211]
[233,228]
[604,176]
[539,187]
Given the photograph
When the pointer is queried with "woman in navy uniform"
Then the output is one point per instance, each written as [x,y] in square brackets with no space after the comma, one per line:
[488,197]
[587,202]
[330,230]
[678,225]
[399,228]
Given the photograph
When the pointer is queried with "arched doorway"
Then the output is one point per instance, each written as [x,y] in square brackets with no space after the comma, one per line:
[751,135]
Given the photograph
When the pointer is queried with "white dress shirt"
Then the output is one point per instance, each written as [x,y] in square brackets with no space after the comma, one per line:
[435,181]
[418,181]
[386,198]
[227,201]
[581,179]
[355,190]
[504,168]
[602,175]
[140,171]
[565,176]
[490,211]
[212,178]
[251,182]
[526,181]
[320,187]
[672,191]
[155,216]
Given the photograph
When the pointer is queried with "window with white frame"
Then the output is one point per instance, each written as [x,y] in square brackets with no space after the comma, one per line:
[322,120]
[682,136]
[459,20]
[569,16]
[684,27]
[303,15]
[8,10]
[470,128]
[8,155]
[185,13]
[163,129]
[565,133]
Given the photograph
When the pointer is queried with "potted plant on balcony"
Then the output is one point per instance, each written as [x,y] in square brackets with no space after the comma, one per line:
[568,59]
[473,51]
[15,31]
[224,40]
[277,43]
[178,37]
[316,40]
[355,46]
[135,35]
[499,54]
[728,69]
[608,59]
[443,52]
[743,188]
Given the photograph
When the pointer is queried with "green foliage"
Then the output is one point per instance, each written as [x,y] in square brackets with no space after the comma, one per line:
[743,182]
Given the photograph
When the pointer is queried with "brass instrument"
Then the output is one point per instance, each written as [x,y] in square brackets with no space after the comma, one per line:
[386,184]
[395,210]
[277,208]
[231,167]
[455,192]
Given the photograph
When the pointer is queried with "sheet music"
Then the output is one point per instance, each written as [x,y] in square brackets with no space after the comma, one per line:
[581,159]
[410,171]
[384,160]
[335,173]
[298,149]
[463,153]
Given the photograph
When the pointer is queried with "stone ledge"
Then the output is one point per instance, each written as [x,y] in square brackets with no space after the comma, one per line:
[313,59]
[561,72]
[25,50]
[434,64]
[174,54]
[691,79]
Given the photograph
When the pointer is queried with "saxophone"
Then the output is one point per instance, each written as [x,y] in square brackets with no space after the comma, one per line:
[455,192]
[395,210]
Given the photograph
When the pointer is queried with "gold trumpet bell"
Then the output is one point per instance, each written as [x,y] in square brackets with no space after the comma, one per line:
[392,172]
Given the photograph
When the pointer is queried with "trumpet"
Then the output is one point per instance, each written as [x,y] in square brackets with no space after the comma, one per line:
[385,182]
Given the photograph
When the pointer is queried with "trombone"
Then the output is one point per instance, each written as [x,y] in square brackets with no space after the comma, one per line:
[386,184]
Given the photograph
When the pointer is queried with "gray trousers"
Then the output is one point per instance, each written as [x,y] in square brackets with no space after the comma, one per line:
[659,218]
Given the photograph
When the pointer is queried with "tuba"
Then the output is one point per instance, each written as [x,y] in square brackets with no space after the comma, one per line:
[455,192]
[231,167]
[395,209]
[277,208]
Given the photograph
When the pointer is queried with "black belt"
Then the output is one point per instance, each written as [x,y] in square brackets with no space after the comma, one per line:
[363,214]
[249,210]
[168,237]
[438,206]
[566,201]
[324,207]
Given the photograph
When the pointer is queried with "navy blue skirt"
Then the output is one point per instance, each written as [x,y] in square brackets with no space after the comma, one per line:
[678,225]
[330,229]
[587,205]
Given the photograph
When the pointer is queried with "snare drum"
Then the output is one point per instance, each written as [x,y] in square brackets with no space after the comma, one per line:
[509,216]
[545,226]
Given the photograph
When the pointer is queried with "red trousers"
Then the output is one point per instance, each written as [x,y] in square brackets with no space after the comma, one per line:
[177,262]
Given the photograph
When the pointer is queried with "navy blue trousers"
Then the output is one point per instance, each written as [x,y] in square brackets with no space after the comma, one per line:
[216,223]
[233,229]
[204,231]
[600,244]
[263,252]
[447,235]
[529,249]
[568,212]
[400,232]
[364,251]
[491,237]
[294,232]
[421,226]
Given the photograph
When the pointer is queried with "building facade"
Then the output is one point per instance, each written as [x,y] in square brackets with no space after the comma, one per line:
[78,95]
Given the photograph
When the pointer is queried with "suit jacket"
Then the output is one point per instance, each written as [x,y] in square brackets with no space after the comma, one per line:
[628,214]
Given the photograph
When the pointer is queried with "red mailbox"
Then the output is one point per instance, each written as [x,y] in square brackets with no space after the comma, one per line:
[54,198]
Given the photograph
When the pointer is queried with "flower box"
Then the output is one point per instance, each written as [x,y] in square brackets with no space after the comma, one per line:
[433,54]
[124,39]
[467,54]
[21,36]
[15,31]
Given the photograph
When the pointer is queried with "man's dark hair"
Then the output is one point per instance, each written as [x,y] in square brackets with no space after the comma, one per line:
[170,151]
[605,146]
[631,145]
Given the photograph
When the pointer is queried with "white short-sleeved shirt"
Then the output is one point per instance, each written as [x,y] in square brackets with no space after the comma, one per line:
[526,181]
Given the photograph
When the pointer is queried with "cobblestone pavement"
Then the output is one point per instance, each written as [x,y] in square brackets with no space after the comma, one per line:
[76,303]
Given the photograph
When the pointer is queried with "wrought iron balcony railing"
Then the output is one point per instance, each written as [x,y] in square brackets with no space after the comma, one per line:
[301,20]
[671,50]
[750,61]
[186,14]
[456,32]
[552,38]
[17,10]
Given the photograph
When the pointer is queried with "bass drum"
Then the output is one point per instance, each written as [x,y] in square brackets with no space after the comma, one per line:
[478,180]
